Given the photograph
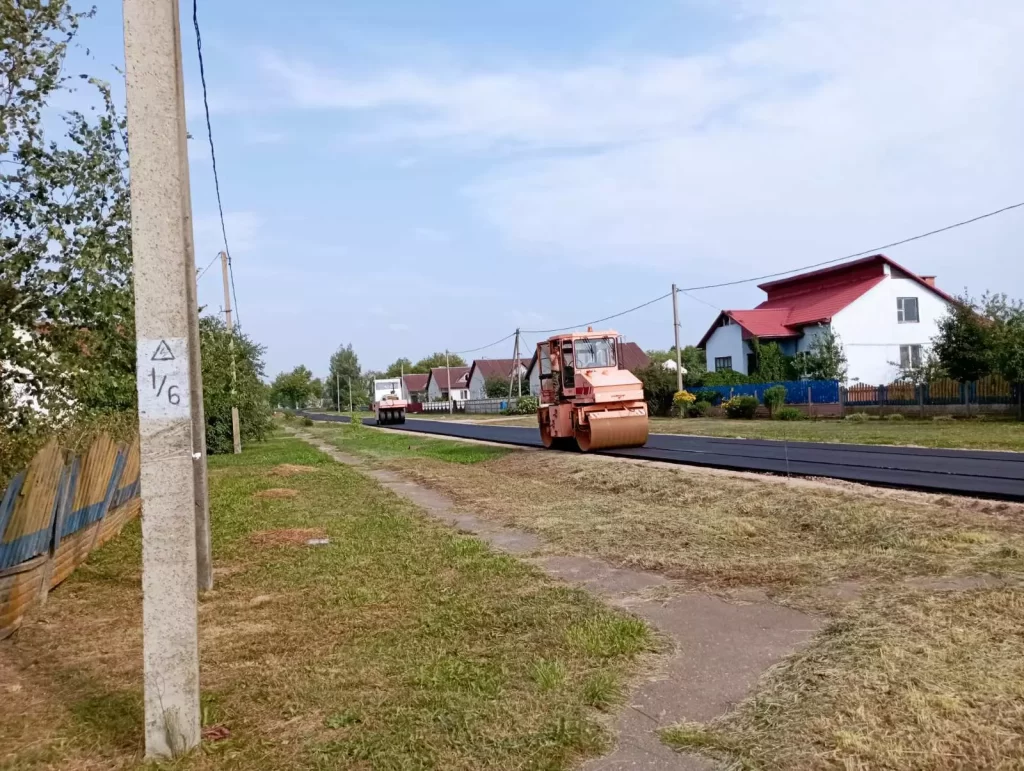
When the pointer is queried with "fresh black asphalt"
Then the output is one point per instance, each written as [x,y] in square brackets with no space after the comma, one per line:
[962,472]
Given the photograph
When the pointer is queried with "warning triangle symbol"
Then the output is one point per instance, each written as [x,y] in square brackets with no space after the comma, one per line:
[163,352]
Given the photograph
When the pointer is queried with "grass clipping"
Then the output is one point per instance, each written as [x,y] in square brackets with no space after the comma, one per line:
[922,681]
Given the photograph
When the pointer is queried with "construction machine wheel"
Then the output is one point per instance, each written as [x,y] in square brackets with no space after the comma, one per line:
[606,430]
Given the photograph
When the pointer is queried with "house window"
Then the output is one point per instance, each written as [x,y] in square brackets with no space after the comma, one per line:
[906,310]
[910,356]
[723,362]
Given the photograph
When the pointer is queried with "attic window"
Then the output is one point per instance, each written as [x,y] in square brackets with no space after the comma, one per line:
[906,310]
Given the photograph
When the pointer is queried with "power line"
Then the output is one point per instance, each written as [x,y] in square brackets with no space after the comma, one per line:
[208,266]
[865,253]
[213,156]
[482,347]
[596,321]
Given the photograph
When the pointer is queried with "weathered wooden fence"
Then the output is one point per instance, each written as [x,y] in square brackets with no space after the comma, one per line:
[55,512]
[989,390]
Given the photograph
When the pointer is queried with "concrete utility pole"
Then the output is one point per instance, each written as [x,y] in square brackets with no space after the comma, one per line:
[236,436]
[675,326]
[337,389]
[163,279]
[514,373]
[448,371]
[350,396]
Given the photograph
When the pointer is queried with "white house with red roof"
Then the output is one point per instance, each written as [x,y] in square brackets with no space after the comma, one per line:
[884,315]
[482,370]
[440,378]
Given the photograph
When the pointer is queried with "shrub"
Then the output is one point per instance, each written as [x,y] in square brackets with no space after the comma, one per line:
[706,395]
[699,409]
[790,413]
[894,416]
[659,388]
[942,418]
[742,407]
[682,400]
[774,398]
[524,405]
[307,422]
[858,417]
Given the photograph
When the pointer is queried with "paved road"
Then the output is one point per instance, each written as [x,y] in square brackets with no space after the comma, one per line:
[961,472]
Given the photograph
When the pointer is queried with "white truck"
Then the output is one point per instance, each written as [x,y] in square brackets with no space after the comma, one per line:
[388,404]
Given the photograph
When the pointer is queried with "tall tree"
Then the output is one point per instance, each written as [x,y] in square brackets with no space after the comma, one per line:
[292,389]
[964,343]
[826,359]
[437,359]
[343,370]
[403,366]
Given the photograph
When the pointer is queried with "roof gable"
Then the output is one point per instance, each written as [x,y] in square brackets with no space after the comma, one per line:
[489,368]
[459,377]
[415,382]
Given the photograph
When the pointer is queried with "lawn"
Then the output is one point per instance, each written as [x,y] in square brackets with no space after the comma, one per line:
[973,434]
[398,645]
[923,663]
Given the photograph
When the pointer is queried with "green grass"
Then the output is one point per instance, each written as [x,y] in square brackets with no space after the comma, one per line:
[400,645]
[361,440]
[971,434]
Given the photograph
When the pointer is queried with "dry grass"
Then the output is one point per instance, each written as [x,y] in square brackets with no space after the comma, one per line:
[905,681]
[398,645]
[722,531]
[276,492]
[289,470]
[295,536]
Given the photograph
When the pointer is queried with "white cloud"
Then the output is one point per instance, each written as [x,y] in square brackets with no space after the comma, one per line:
[821,126]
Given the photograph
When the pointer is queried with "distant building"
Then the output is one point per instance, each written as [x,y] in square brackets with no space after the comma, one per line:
[884,315]
[438,384]
[414,388]
[483,370]
[631,357]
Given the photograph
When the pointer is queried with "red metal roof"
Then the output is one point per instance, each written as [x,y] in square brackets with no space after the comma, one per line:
[815,297]
[459,377]
[494,367]
[415,383]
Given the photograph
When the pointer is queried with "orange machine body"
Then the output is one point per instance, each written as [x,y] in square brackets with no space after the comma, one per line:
[586,397]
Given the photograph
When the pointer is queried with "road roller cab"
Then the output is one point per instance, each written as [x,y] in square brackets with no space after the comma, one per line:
[585,397]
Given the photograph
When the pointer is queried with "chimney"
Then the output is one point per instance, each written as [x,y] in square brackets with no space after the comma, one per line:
[929,280]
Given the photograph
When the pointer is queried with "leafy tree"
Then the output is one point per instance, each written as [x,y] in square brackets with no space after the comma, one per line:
[496,387]
[403,366]
[774,398]
[438,360]
[343,372]
[826,359]
[694,361]
[964,343]
[250,394]
[1007,338]
[316,392]
[66,304]
[292,389]
[659,387]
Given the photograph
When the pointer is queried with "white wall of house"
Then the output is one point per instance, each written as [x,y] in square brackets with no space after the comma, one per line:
[872,334]
[477,384]
[436,390]
[728,341]
[433,390]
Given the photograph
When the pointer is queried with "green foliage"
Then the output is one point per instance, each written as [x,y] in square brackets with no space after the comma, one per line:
[437,359]
[727,377]
[894,416]
[741,407]
[772,364]
[826,359]
[343,375]
[496,387]
[699,409]
[860,417]
[224,353]
[774,398]
[790,413]
[307,422]
[659,387]
[694,361]
[1006,335]
[683,399]
[67,331]
[524,405]
[293,389]
[403,366]
[964,343]
[709,396]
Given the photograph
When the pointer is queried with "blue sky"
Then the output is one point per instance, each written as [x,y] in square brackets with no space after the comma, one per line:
[410,176]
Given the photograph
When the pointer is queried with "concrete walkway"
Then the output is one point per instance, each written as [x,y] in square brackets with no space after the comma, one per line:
[720,648]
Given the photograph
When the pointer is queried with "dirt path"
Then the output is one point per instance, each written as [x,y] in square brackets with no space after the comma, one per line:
[719,648]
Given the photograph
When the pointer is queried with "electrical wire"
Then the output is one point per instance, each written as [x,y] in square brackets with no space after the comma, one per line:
[865,253]
[596,321]
[208,266]
[213,157]
[482,347]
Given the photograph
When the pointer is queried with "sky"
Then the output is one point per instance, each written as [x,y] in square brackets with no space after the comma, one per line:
[408,176]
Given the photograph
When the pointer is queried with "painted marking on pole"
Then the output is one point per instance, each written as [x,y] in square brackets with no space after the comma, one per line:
[162,379]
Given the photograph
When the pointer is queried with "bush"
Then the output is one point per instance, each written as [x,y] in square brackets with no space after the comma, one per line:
[699,409]
[942,418]
[742,407]
[659,388]
[711,397]
[894,416]
[307,422]
[524,405]
[790,413]
[774,398]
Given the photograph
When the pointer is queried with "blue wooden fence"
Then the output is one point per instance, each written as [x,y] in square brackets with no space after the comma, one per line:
[797,391]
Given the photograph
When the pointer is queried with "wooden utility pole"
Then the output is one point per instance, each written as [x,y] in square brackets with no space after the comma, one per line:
[514,373]
[236,436]
[163,275]
[675,327]
[350,410]
[337,389]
